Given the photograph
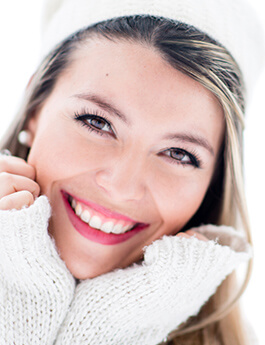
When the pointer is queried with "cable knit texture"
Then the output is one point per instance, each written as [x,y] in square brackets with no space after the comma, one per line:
[35,286]
[233,24]
[143,303]
[137,305]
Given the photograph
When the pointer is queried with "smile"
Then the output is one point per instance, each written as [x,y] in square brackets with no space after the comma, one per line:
[99,224]
[98,221]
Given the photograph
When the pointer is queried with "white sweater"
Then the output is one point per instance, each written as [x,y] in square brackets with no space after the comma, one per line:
[40,303]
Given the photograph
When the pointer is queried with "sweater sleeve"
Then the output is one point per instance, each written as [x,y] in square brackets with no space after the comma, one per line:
[36,288]
[143,303]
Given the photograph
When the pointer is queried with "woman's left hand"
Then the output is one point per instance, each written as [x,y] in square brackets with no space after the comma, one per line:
[192,233]
[143,303]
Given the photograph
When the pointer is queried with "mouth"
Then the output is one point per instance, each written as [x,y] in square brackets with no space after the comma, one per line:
[98,224]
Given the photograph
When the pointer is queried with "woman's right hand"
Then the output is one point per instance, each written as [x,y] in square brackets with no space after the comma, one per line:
[17,185]
[36,287]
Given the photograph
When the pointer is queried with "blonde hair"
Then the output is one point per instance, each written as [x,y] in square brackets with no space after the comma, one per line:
[201,58]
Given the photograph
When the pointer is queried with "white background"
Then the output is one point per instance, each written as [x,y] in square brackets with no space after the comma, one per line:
[19,49]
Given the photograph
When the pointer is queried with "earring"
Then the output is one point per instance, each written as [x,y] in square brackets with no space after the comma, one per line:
[25,138]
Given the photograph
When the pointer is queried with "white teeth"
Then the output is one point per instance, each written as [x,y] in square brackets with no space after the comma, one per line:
[107,227]
[127,227]
[118,229]
[85,216]
[73,203]
[78,209]
[95,222]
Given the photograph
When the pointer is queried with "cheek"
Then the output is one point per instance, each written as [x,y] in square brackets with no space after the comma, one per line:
[180,201]
[63,154]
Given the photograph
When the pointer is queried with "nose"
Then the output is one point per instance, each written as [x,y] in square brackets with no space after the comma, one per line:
[123,179]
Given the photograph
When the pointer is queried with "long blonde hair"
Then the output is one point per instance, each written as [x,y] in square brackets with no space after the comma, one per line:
[201,58]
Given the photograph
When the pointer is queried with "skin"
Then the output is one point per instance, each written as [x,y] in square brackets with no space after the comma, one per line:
[128,169]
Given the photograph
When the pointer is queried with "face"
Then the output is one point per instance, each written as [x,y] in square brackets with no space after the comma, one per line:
[125,149]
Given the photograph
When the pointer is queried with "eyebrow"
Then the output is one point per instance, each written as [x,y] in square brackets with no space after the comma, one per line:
[104,104]
[110,108]
[190,138]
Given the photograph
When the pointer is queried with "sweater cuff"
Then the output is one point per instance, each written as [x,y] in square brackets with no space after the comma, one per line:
[35,216]
[226,236]
[26,246]
[192,270]
[36,286]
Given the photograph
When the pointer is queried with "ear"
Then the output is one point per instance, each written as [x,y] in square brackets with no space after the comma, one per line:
[26,136]
[31,128]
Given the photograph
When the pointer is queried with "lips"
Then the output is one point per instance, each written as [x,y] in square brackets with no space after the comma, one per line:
[99,224]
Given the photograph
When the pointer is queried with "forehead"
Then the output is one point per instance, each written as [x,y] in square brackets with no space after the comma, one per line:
[120,60]
[136,78]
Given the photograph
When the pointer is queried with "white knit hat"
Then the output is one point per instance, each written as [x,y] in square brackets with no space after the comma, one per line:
[232,23]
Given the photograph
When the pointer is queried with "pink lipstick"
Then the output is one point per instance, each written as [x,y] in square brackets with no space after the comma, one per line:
[94,234]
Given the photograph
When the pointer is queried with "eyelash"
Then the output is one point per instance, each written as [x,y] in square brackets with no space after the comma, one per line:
[195,160]
[85,115]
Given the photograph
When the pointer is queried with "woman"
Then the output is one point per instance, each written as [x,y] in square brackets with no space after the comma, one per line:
[132,128]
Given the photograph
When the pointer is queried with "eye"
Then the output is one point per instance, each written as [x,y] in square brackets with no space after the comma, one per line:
[98,123]
[94,122]
[181,156]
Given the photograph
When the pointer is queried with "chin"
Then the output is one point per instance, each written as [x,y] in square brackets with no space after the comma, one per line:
[87,269]
[84,271]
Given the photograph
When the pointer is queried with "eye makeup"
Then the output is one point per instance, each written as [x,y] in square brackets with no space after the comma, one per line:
[183,157]
[94,121]
[98,122]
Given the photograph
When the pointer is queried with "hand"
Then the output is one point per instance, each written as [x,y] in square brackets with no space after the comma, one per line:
[192,233]
[143,303]
[36,287]
[17,185]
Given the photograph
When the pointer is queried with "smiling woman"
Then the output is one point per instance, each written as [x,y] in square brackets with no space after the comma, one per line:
[131,131]
[157,178]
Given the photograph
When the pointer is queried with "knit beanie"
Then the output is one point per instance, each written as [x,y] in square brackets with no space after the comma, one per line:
[231,23]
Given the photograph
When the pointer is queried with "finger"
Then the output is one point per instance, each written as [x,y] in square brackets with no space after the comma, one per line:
[16,200]
[14,183]
[17,166]
[182,235]
[197,235]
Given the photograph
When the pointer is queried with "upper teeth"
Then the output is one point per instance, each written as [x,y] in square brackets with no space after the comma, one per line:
[95,221]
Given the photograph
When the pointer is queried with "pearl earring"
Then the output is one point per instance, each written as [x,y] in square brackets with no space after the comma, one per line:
[25,138]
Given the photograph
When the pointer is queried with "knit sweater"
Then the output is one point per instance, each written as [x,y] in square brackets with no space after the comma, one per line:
[41,304]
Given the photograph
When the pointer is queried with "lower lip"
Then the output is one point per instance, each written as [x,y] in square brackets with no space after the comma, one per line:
[95,235]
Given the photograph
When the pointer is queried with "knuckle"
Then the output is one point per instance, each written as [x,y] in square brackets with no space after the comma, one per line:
[191,232]
[37,187]
[30,169]
[6,177]
[8,204]
[16,200]
[4,165]
[28,196]
[32,173]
